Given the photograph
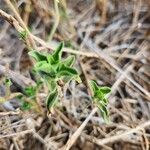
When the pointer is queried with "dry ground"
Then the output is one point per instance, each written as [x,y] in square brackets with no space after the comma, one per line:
[110,39]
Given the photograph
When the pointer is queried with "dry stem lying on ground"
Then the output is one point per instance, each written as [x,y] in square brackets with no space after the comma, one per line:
[111,42]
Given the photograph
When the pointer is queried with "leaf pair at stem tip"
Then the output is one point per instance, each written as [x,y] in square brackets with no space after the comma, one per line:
[100,98]
[52,68]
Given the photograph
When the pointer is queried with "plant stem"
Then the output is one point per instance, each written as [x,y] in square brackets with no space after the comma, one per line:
[56,21]
[30,38]
[74,137]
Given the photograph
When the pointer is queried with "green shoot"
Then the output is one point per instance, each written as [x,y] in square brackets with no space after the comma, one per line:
[53,69]
[99,96]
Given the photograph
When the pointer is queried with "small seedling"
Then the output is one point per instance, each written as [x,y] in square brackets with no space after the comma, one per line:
[30,93]
[99,97]
[28,98]
[54,70]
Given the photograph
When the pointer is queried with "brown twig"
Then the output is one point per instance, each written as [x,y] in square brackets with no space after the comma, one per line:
[120,136]
[21,22]
[74,137]
[17,26]
[10,113]
[17,77]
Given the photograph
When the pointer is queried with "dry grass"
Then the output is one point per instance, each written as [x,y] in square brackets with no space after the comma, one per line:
[111,42]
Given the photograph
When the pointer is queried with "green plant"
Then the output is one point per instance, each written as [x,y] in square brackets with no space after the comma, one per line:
[30,94]
[54,70]
[99,97]
[29,97]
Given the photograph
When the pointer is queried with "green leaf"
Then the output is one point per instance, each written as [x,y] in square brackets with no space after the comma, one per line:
[69,61]
[8,82]
[45,68]
[66,71]
[99,94]
[94,86]
[78,79]
[69,73]
[105,100]
[105,90]
[57,54]
[37,55]
[67,79]
[100,97]
[39,64]
[30,91]
[26,106]
[51,99]
[50,59]
[51,83]
[104,112]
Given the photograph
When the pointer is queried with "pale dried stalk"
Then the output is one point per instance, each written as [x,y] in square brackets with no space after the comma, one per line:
[17,77]
[103,56]
[16,134]
[16,25]
[74,137]
[120,136]
[11,20]
[110,61]
[57,18]
[31,40]
[10,113]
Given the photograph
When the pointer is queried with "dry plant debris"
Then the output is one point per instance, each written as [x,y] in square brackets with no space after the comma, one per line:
[110,40]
